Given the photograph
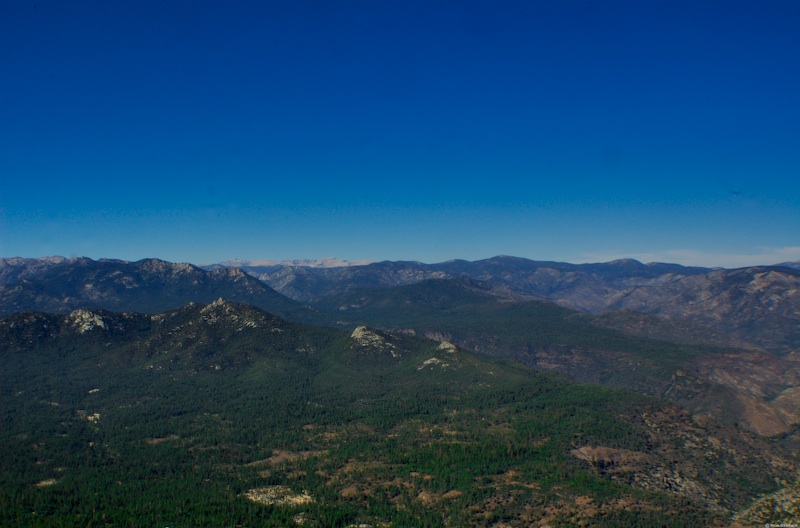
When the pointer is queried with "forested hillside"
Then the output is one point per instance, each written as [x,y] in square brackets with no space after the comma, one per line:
[226,415]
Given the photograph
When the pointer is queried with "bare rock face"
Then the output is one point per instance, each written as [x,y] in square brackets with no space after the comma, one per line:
[370,341]
[85,321]
[282,495]
[787,403]
[674,431]
[759,305]
[363,336]
[447,346]
[648,471]
[778,509]
[622,459]
[766,387]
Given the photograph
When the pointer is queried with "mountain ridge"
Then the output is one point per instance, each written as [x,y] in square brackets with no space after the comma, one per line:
[758,306]
[148,285]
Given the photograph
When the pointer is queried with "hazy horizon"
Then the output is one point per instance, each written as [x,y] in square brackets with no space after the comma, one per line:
[335,262]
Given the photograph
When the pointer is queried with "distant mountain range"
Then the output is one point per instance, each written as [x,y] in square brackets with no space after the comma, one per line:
[510,275]
[752,307]
[60,285]
[793,265]
[306,263]
[758,305]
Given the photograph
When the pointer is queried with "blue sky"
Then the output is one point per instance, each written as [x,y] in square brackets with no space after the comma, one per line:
[555,130]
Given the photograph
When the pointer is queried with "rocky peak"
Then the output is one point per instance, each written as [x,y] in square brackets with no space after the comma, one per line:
[447,346]
[162,266]
[235,273]
[85,320]
[220,303]
[237,316]
[365,338]
[220,307]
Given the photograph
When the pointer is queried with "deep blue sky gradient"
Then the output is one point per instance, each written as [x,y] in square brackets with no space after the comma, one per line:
[559,130]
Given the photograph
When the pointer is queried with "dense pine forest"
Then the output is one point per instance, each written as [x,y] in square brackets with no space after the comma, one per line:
[223,415]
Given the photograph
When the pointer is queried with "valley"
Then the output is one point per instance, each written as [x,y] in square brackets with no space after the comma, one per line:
[459,401]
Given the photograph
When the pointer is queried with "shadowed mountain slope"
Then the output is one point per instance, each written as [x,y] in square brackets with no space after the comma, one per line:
[540,279]
[758,306]
[60,285]
[613,349]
